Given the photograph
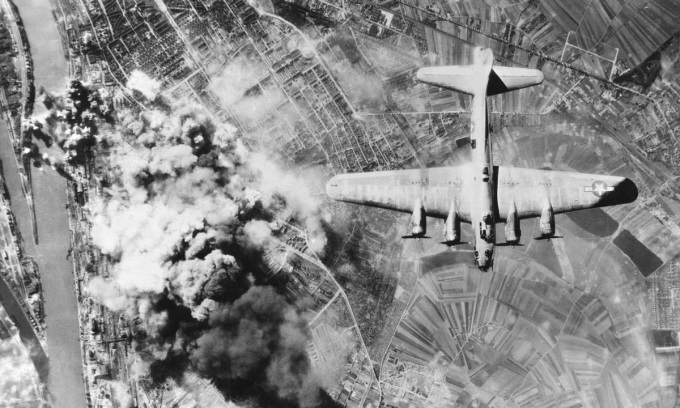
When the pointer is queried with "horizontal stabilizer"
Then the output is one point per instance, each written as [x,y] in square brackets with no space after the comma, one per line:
[461,78]
[470,79]
[505,79]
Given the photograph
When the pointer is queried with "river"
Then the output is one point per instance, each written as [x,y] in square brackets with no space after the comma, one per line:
[65,385]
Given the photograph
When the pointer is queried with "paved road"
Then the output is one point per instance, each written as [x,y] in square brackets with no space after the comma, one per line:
[65,378]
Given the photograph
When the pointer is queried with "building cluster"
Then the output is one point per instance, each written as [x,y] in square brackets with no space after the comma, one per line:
[303,281]
[14,89]
[337,355]
[105,336]
[19,272]
[664,289]
[190,391]
[337,351]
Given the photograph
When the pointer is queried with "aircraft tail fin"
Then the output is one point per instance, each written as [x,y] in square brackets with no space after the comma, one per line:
[468,78]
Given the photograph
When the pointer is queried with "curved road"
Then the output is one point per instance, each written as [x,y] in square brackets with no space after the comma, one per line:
[65,386]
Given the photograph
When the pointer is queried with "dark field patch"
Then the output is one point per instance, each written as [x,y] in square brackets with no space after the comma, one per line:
[460,142]
[429,263]
[644,74]
[645,260]
[543,252]
[595,221]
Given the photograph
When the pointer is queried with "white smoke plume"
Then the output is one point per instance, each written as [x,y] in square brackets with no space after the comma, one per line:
[363,87]
[257,231]
[237,87]
[296,190]
[121,394]
[186,185]
[262,6]
[139,81]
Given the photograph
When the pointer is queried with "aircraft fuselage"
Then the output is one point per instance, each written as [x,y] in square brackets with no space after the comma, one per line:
[482,205]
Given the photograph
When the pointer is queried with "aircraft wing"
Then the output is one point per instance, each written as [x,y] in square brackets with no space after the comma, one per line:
[437,187]
[530,189]
[399,190]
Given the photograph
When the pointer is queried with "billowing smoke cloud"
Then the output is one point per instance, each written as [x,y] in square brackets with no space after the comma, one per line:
[257,231]
[263,339]
[300,199]
[183,224]
[238,88]
[121,393]
[366,90]
[139,81]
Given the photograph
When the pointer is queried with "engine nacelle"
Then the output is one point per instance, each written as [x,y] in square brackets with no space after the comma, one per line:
[512,229]
[452,226]
[418,220]
[547,224]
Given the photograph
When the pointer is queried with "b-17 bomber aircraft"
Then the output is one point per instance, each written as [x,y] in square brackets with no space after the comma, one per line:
[478,192]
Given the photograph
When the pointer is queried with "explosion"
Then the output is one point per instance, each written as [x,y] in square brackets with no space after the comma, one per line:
[183,224]
[71,122]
